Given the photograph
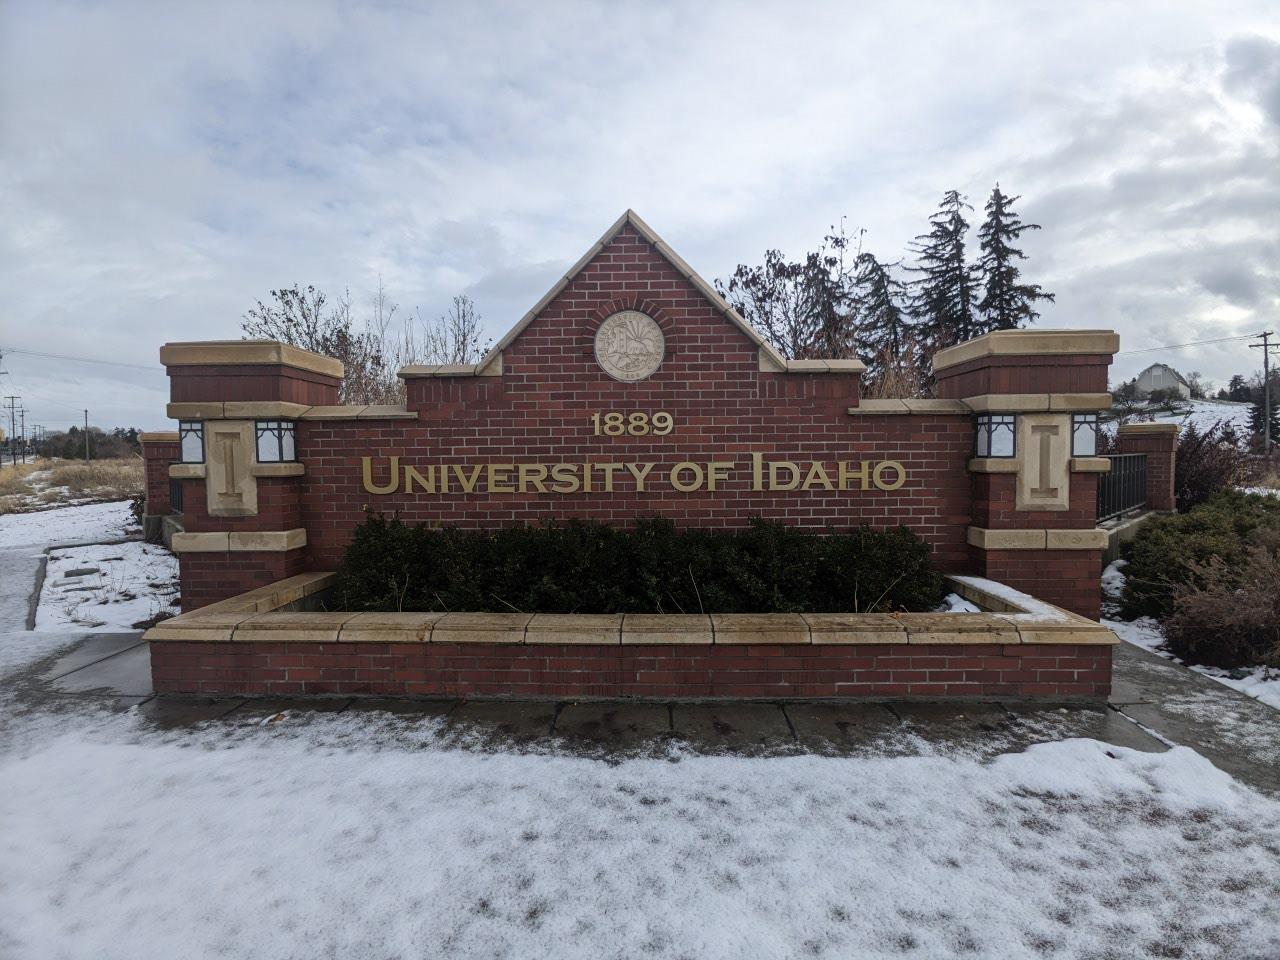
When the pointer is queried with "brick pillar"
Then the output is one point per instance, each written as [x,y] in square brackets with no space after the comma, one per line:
[1034,514]
[242,512]
[159,450]
[1159,441]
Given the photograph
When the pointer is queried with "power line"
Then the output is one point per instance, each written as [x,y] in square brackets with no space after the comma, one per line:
[60,356]
[1193,343]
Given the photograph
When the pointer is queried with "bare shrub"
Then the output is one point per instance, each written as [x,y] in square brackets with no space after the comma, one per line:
[896,377]
[1229,615]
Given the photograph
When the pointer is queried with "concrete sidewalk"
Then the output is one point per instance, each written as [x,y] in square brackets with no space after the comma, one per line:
[1155,702]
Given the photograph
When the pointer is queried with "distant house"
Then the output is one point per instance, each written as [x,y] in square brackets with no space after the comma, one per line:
[1161,376]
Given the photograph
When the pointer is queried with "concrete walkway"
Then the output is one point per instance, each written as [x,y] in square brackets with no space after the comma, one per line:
[1155,702]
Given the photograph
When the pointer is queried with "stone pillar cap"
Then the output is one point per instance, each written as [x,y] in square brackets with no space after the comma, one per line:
[1027,343]
[159,436]
[205,353]
[1140,429]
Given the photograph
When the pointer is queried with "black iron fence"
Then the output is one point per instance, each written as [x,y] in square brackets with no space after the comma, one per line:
[175,496]
[1124,488]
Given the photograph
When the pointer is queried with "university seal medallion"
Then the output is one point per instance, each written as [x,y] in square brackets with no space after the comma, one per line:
[630,345]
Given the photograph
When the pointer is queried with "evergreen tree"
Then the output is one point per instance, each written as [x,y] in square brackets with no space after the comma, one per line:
[1006,304]
[943,302]
[1238,389]
[884,327]
[1257,417]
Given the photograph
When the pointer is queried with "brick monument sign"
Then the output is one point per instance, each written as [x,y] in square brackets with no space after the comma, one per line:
[632,390]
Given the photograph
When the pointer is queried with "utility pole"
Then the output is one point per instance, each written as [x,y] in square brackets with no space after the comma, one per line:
[23,434]
[86,436]
[12,453]
[1265,347]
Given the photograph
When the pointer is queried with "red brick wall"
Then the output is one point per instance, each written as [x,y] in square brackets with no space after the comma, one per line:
[1081,373]
[157,455]
[1161,451]
[994,498]
[522,670]
[206,578]
[279,507]
[1067,578]
[710,382]
[265,381]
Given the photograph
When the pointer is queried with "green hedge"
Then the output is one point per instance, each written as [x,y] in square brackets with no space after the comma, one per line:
[653,568]
[1161,555]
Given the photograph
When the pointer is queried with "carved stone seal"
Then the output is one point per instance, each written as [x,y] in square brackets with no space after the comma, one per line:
[630,345]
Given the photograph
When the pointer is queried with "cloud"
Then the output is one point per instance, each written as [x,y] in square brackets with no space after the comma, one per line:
[162,168]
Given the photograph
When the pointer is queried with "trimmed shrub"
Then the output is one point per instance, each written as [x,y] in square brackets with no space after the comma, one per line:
[1229,616]
[581,567]
[1169,552]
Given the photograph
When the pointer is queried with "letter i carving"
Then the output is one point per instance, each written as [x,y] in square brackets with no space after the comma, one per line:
[229,487]
[1046,433]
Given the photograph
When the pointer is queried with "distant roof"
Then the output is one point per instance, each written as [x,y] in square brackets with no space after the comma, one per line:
[1165,366]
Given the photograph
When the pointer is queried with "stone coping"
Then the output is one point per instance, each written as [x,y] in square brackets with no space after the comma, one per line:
[256,616]
[159,436]
[283,410]
[1028,343]
[988,403]
[245,353]
[1148,429]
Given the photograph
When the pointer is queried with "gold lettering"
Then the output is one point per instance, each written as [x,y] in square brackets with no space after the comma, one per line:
[780,466]
[718,470]
[366,464]
[586,476]
[639,473]
[468,483]
[501,484]
[565,476]
[609,470]
[532,474]
[887,465]
[412,476]
[817,475]
[848,474]
[680,484]
[757,471]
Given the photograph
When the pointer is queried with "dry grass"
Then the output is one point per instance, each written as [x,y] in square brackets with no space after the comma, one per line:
[14,477]
[1271,481]
[46,483]
[108,479]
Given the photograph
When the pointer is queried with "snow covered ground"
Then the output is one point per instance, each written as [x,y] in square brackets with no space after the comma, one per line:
[1261,683]
[94,521]
[115,586]
[372,836]
[1203,414]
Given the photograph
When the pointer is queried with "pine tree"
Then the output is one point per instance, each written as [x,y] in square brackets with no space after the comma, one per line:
[1006,303]
[1257,417]
[1238,389]
[944,294]
[884,326]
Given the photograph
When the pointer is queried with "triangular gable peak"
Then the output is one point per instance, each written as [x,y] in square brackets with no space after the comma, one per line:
[770,360]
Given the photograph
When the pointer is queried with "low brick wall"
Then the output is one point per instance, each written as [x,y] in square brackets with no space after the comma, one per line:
[265,643]
[655,671]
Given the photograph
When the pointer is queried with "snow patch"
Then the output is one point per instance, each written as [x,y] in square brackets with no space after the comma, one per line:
[87,522]
[335,838]
[115,586]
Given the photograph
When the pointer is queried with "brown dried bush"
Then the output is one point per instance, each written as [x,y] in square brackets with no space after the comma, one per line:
[1229,615]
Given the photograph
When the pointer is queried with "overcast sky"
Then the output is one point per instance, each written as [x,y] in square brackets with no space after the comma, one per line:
[163,165]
